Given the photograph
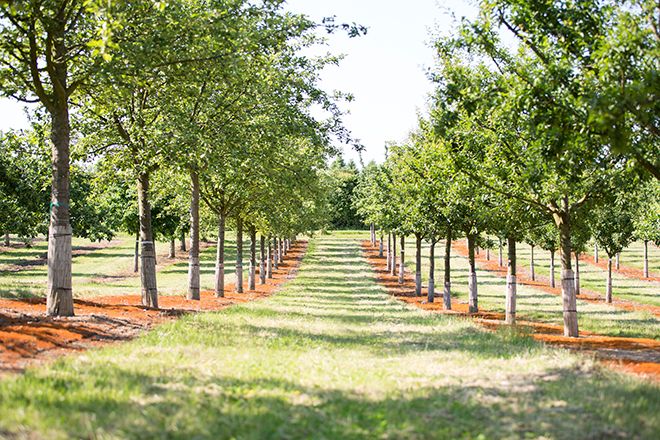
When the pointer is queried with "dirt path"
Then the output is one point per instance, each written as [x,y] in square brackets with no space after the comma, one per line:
[29,336]
[636,355]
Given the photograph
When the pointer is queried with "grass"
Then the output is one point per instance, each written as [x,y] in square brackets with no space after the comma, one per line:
[330,356]
[107,271]
[533,303]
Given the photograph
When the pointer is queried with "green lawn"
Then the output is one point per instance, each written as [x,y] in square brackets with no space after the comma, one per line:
[107,271]
[330,356]
[534,303]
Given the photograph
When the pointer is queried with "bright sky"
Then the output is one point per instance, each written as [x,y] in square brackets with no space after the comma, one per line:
[384,70]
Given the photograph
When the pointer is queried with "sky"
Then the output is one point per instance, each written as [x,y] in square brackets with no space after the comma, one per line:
[385,69]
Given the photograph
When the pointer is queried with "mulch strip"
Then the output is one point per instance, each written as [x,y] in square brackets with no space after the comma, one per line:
[28,336]
[636,355]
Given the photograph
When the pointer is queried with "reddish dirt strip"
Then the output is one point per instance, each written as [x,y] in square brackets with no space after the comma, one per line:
[630,272]
[636,355]
[543,283]
[27,335]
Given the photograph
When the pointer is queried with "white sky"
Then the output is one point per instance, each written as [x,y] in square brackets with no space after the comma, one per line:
[384,70]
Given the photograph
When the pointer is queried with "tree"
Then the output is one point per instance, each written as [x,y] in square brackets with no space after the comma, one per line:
[647,218]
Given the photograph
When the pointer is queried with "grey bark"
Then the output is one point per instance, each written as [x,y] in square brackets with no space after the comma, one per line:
[136,254]
[182,245]
[253,259]
[262,260]
[172,253]
[446,294]
[269,259]
[239,255]
[380,246]
[147,248]
[501,258]
[418,265]
[7,242]
[193,258]
[402,259]
[393,267]
[552,268]
[473,306]
[276,259]
[511,284]
[220,259]
[646,258]
[531,263]
[388,252]
[618,265]
[608,291]
[431,287]
[567,276]
[577,273]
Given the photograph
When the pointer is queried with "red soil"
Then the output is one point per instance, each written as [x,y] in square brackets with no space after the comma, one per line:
[542,283]
[27,334]
[630,272]
[635,355]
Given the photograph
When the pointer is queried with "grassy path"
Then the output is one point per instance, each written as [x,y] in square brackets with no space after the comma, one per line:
[331,356]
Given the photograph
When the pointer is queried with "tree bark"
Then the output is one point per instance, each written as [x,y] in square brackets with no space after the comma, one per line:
[7,242]
[388,252]
[418,265]
[380,245]
[446,294]
[472,276]
[252,275]
[487,254]
[193,260]
[393,267]
[269,262]
[618,265]
[567,276]
[239,255]
[147,248]
[531,264]
[511,284]
[262,260]
[182,246]
[608,291]
[552,268]
[646,258]
[596,252]
[501,258]
[280,253]
[577,273]
[220,259]
[431,287]
[283,246]
[402,259]
[59,294]
[172,253]
[372,231]
[136,257]
[276,259]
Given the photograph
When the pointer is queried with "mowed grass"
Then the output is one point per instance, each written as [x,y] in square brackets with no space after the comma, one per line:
[533,303]
[330,356]
[108,270]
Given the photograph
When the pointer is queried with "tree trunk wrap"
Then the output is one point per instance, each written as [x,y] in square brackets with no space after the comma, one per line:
[446,294]
[269,259]
[567,280]
[472,276]
[431,287]
[262,260]
[511,285]
[646,258]
[147,248]
[193,259]
[393,268]
[253,259]
[552,268]
[608,290]
[59,293]
[531,263]
[239,255]
[403,259]
[220,259]
[418,265]
[136,255]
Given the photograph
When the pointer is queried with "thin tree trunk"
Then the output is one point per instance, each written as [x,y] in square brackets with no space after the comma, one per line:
[182,246]
[59,294]
[577,273]
[136,257]
[262,260]
[646,258]
[280,253]
[488,254]
[269,261]
[531,264]
[511,284]
[389,252]
[276,257]
[380,245]
[402,259]
[148,250]
[596,252]
[446,294]
[608,292]
[472,276]
[283,246]
[7,242]
[172,253]
[418,265]
[501,258]
[393,267]
[372,234]
[552,268]
[252,275]
[239,255]
[567,276]
[193,259]
[618,265]
[220,259]
[431,287]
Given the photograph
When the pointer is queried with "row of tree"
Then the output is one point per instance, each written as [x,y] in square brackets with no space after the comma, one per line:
[166,116]
[551,138]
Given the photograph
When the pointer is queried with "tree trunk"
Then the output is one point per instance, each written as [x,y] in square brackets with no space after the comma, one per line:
[262,260]
[239,255]
[147,250]
[531,264]
[567,276]
[59,294]
[511,284]
[220,259]
[253,259]
[618,265]
[193,260]
[136,257]
[182,246]
[472,276]
[393,268]
[596,252]
[646,258]
[418,265]
[283,246]
[269,259]
[552,268]
[431,287]
[276,257]
[487,254]
[388,252]
[280,252]
[501,259]
[577,273]
[608,291]
[172,253]
[380,245]
[446,294]
[372,234]
[7,242]
[402,259]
